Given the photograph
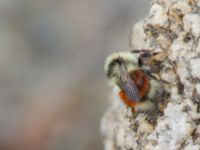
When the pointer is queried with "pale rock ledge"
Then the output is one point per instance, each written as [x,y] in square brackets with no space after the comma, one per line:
[172,26]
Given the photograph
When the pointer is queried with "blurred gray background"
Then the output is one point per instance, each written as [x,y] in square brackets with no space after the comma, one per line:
[53,90]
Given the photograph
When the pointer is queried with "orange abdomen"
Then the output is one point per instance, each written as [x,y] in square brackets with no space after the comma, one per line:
[142,82]
[126,100]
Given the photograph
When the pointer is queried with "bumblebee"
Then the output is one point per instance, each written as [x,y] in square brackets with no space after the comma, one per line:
[133,75]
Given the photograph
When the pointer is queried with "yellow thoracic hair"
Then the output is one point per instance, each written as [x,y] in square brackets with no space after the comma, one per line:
[112,67]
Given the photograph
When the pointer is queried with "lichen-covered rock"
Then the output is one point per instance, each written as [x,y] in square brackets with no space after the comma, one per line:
[191,23]
[172,26]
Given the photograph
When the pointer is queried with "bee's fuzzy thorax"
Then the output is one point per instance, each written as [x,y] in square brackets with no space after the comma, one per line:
[112,64]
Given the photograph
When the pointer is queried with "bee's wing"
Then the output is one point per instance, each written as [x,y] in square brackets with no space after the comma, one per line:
[131,90]
[128,85]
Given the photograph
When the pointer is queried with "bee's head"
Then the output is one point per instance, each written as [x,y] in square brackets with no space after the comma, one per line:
[115,61]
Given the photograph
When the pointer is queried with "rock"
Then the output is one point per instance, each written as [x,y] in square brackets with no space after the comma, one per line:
[172,26]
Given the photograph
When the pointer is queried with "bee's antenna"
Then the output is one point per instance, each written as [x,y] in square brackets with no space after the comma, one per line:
[135,51]
[142,51]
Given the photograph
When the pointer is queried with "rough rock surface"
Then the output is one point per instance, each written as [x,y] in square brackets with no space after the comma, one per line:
[172,26]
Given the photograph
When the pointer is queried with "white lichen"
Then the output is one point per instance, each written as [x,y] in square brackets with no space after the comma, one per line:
[195,65]
[157,16]
[139,36]
[191,23]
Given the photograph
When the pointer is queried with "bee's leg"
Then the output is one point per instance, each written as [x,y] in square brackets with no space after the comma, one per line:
[153,112]
[159,56]
[162,102]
